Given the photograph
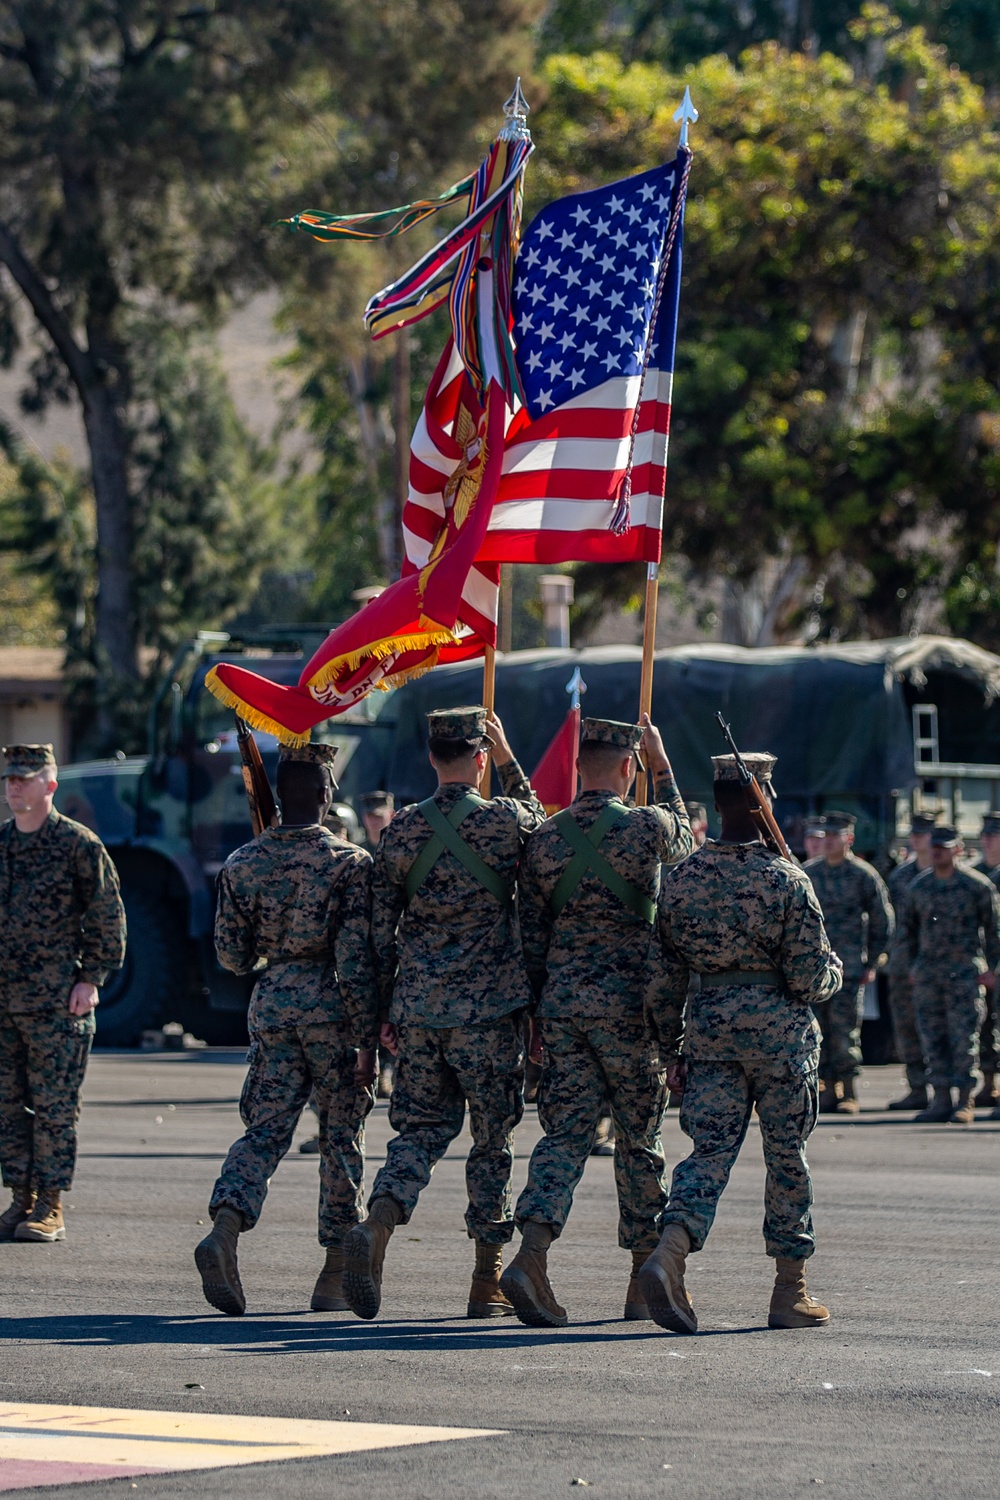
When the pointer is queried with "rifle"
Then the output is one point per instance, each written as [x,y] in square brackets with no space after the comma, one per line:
[263,808]
[757,803]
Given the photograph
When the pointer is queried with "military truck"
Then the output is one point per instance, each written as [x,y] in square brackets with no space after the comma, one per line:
[172,816]
[876,728]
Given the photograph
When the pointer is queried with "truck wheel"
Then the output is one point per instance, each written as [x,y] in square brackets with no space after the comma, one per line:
[152,977]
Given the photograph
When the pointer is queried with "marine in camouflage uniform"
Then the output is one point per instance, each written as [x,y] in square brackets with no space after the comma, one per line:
[589,882]
[859,923]
[62,929]
[452,988]
[748,923]
[904,1016]
[952,931]
[988,864]
[296,904]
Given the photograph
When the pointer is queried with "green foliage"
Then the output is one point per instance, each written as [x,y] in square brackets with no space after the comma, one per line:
[836,351]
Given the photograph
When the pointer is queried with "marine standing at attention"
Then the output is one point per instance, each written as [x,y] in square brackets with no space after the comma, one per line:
[748,923]
[904,1017]
[62,930]
[589,883]
[297,897]
[453,988]
[988,864]
[952,935]
[859,923]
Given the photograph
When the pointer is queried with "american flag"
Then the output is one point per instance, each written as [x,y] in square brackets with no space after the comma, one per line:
[595,318]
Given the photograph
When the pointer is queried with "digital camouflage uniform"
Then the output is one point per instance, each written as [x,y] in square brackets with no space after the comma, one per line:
[989,1035]
[859,922]
[61,923]
[451,980]
[300,899]
[729,910]
[589,967]
[904,1015]
[952,932]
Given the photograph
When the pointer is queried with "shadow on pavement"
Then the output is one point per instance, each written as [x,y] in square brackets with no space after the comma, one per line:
[262,1333]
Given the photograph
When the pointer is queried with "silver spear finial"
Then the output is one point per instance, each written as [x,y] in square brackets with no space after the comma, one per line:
[685,114]
[516,112]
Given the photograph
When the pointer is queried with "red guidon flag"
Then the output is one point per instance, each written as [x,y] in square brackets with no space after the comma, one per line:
[554,778]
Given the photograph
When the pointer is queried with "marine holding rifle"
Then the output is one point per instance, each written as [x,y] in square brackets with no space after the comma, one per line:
[745,919]
[452,988]
[588,904]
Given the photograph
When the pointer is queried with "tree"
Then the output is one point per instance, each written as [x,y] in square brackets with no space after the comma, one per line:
[837,363]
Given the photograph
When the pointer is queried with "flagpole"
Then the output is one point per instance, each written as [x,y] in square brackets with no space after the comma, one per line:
[489,702]
[685,114]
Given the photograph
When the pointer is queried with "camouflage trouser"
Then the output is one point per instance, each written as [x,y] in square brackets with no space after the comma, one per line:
[715,1112]
[438,1069]
[42,1063]
[950,1013]
[904,1027]
[587,1062]
[285,1064]
[840,1022]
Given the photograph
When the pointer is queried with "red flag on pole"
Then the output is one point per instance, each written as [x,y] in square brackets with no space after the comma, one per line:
[554,778]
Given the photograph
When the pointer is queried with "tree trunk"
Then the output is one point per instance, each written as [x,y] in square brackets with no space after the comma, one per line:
[116,646]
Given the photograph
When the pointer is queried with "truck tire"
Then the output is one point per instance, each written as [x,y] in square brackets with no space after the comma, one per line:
[151,980]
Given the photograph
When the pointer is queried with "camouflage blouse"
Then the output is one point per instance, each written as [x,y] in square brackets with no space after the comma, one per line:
[296,904]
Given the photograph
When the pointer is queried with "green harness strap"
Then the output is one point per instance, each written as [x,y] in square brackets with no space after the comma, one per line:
[587,856]
[444,836]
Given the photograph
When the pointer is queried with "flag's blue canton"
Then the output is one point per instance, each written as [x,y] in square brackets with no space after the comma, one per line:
[584,287]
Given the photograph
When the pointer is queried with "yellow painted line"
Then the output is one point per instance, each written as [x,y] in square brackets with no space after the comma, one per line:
[176,1440]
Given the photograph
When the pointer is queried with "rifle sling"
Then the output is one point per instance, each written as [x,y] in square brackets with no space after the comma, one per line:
[444,836]
[587,856]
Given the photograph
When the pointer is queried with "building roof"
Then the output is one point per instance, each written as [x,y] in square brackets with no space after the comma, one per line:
[32,669]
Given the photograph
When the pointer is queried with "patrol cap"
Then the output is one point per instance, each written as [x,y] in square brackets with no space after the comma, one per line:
[814,828]
[310,755]
[944,836]
[924,822]
[991,821]
[376,801]
[839,822]
[758,762]
[457,724]
[697,812]
[627,737]
[29,760]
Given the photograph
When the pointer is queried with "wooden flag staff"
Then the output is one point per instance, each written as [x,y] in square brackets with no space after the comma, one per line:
[685,114]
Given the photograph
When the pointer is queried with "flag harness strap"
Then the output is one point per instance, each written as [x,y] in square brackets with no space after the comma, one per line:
[445,836]
[587,856]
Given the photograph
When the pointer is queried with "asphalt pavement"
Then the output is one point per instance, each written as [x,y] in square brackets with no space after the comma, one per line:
[898,1397]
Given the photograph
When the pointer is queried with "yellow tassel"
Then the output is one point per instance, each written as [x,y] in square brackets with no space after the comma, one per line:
[378,651]
[253,716]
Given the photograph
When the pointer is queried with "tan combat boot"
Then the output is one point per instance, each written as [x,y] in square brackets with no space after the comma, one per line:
[828,1101]
[636,1310]
[216,1260]
[938,1111]
[964,1112]
[661,1281]
[988,1097]
[364,1255]
[791,1305]
[328,1293]
[849,1104]
[20,1208]
[486,1300]
[525,1283]
[45,1222]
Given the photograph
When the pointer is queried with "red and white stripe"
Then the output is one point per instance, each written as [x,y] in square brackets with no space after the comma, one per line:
[560,484]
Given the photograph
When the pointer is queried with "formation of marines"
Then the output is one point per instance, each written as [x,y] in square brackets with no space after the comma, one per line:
[617,944]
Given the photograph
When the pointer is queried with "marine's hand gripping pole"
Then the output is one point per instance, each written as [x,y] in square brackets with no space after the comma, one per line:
[758,805]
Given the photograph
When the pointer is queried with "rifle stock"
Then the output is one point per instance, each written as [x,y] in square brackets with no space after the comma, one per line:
[263,808]
[757,804]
